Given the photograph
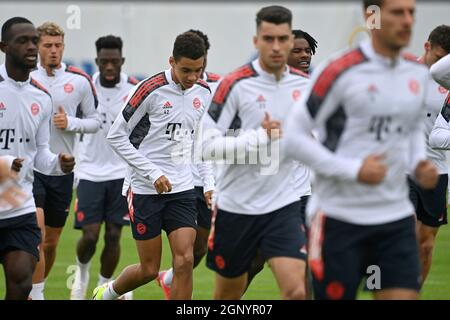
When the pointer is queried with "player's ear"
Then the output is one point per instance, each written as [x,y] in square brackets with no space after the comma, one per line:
[172,61]
[427,46]
[123,61]
[3,46]
[96,62]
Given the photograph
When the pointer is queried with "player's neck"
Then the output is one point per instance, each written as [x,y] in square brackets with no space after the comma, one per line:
[175,79]
[385,51]
[50,69]
[276,72]
[16,73]
[108,84]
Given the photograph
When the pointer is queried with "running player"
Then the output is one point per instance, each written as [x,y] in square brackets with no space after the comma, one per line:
[431,205]
[153,133]
[370,134]
[25,109]
[204,188]
[101,172]
[71,90]
[257,206]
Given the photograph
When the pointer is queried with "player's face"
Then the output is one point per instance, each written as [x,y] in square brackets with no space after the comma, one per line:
[433,54]
[22,47]
[51,50]
[109,62]
[397,20]
[300,55]
[187,71]
[274,43]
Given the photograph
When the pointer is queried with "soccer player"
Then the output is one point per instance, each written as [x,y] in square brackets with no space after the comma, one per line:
[71,90]
[257,206]
[204,188]
[101,172]
[305,47]
[367,105]
[25,110]
[431,205]
[153,133]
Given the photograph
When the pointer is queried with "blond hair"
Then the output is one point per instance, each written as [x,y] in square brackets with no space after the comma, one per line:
[50,29]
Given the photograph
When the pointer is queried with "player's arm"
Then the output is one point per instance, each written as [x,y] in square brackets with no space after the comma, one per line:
[204,167]
[45,160]
[312,113]
[440,71]
[219,140]
[90,123]
[440,134]
[119,136]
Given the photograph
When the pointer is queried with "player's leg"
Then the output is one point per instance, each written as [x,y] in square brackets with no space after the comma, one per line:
[336,257]
[179,221]
[57,206]
[146,223]
[165,277]
[39,194]
[37,292]
[19,240]
[88,217]
[284,246]
[182,243]
[110,256]
[19,266]
[395,251]
[433,215]
[116,216]
[232,244]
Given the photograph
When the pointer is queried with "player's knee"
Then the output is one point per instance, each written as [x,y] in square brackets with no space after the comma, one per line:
[200,251]
[426,247]
[148,273]
[112,237]
[20,283]
[294,293]
[183,263]
[90,237]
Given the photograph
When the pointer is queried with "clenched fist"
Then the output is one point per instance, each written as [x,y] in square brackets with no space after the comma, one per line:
[67,162]
[162,185]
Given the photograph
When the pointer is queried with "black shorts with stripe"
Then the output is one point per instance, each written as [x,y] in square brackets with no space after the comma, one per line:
[235,239]
[342,254]
[53,194]
[101,201]
[151,213]
[430,205]
[20,233]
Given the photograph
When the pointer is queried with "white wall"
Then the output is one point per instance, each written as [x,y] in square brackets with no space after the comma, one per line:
[148,29]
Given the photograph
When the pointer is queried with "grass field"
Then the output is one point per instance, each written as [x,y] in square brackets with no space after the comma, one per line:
[263,287]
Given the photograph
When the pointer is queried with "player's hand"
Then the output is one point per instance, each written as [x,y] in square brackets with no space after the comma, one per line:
[60,118]
[426,174]
[17,165]
[10,192]
[272,127]
[67,162]
[208,198]
[373,170]
[162,185]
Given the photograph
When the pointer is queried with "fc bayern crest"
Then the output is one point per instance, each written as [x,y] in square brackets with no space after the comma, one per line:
[414,86]
[196,103]
[68,88]
[35,109]
[296,95]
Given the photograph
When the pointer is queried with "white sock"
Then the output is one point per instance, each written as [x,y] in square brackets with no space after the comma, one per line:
[102,280]
[37,291]
[84,270]
[168,277]
[109,293]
